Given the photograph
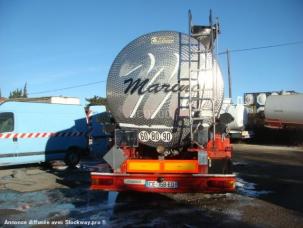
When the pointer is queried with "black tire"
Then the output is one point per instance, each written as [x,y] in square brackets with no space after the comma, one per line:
[72,157]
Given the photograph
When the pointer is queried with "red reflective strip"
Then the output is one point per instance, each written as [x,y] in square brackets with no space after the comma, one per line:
[42,135]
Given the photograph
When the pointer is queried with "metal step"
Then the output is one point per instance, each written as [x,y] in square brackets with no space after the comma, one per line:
[202,109]
[200,99]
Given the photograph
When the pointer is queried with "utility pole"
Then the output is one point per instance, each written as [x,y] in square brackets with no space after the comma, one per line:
[229,76]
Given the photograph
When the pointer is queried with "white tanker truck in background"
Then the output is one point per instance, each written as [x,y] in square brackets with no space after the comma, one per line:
[274,117]
[282,111]
[165,92]
[237,129]
[275,109]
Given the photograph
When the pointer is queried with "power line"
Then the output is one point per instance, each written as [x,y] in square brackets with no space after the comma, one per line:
[262,47]
[66,88]
[220,53]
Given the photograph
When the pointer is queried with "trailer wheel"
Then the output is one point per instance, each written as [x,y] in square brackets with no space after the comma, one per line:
[72,157]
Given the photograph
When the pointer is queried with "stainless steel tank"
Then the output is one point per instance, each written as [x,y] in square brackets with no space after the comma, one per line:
[287,109]
[148,87]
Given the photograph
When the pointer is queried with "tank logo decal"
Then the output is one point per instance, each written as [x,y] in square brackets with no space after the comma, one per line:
[162,40]
[152,62]
[134,69]
[141,97]
[167,95]
[141,88]
[160,106]
[42,135]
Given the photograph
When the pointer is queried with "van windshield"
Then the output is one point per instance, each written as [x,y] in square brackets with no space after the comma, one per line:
[6,122]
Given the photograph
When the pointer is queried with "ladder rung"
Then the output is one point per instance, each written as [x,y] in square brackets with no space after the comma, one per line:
[193,61]
[201,99]
[184,107]
[201,70]
[187,79]
[197,99]
[202,109]
[204,90]
[193,45]
[199,34]
[192,98]
[199,52]
[198,118]
[196,110]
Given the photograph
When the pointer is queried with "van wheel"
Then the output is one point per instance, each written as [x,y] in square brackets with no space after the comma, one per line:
[72,157]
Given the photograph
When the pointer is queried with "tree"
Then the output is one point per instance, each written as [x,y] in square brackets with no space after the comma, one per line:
[25,90]
[17,93]
[96,100]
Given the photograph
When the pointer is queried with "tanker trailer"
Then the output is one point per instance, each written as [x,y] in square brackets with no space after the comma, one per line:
[283,111]
[236,128]
[165,91]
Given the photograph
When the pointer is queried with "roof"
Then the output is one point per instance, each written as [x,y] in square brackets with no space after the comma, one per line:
[33,107]
[2,99]
[52,100]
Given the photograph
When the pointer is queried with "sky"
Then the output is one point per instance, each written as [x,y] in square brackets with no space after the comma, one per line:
[55,44]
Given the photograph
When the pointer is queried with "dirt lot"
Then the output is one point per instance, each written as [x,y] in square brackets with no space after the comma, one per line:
[269,187]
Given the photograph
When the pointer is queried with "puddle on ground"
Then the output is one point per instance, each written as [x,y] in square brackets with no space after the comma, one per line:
[249,189]
[58,204]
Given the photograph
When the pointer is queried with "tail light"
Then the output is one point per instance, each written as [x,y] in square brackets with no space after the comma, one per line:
[230,184]
[105,181]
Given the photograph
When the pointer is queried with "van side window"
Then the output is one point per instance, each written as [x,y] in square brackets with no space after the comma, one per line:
[6,122]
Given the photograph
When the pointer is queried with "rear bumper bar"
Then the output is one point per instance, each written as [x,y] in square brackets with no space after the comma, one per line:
[173,183]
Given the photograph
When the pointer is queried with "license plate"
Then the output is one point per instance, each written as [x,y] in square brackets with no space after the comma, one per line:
[163,184]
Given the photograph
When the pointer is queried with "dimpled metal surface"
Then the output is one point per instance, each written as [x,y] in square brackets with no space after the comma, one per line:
[147,86]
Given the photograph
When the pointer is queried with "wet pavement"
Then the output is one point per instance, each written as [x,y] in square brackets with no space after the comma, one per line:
[269,187]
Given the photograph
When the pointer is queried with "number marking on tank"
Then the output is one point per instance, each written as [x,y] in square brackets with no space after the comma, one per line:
[155,136]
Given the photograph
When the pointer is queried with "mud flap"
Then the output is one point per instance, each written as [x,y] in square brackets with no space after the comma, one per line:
[220,166]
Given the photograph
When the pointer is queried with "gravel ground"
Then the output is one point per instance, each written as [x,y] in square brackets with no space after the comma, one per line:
[269,187]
